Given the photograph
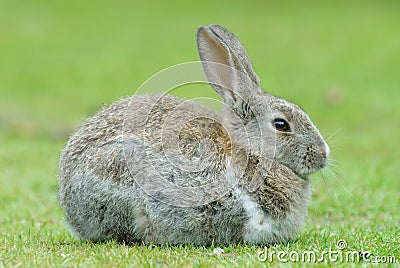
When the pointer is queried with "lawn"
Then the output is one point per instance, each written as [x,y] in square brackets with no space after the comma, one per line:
[60,61]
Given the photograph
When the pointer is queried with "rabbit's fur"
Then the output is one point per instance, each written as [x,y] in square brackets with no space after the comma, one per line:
[159,169]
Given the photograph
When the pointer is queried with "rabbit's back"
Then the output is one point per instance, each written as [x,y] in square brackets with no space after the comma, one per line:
[114,169]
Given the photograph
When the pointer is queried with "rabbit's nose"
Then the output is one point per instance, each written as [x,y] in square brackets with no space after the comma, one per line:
[327,150]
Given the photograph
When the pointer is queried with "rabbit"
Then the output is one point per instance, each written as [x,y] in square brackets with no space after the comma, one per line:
[160,169]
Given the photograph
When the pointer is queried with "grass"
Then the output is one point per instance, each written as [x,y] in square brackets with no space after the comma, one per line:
[61,60]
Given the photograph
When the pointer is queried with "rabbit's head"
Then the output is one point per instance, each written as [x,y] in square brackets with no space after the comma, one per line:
[266,125]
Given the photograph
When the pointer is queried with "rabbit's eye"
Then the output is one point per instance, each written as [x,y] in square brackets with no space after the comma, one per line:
[281,125]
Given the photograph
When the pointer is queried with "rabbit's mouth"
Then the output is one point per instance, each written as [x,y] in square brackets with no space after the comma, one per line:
[306,172]
[310,165]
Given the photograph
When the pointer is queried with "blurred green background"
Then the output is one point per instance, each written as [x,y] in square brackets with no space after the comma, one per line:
[60,61]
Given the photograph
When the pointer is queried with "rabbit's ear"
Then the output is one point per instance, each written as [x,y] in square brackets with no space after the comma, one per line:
[226,65]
